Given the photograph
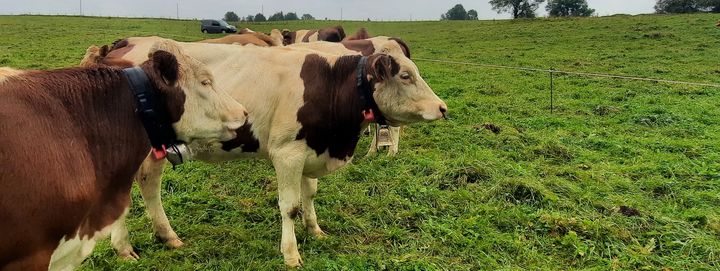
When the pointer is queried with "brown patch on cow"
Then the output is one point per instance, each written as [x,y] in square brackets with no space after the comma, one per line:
[331,34]
[403,45]
[120,48]
[331,117]
[294,212]
[364,47]
[288,37]
[361,34]
[629,211]
[164,74]
[83,123]
[307,36]
[245,140]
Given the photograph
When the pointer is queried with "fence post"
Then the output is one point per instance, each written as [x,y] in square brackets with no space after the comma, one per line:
[552,91]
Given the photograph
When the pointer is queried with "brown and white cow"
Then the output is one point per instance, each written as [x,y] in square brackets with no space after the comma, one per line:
[72,141]
[330,34]
[306,115]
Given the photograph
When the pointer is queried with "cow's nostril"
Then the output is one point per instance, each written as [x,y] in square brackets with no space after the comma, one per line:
[246,113]
[443,109]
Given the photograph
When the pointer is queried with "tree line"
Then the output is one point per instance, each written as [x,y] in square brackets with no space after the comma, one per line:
[573,8]
[525,9]
[687,6]
[279,16]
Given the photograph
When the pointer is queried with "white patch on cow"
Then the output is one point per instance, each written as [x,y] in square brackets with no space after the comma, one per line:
[70,253]
[334,164]
[7,73]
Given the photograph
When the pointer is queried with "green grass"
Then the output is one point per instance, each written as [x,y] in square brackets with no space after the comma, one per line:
[549,192]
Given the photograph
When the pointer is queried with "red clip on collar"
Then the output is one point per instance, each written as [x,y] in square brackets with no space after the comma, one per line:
[159,154]
[369,115]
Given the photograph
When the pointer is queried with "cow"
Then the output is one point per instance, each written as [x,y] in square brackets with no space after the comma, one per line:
[255,38]
[73,139]
[306,112]
[361,34]
[330,34]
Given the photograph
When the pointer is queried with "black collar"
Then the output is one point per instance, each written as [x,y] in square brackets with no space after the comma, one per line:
[154,115]
[370,112]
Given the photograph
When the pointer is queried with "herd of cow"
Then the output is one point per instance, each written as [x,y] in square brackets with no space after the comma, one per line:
[73,140]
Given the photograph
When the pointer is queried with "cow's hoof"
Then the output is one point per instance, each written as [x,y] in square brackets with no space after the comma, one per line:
[318,233]
[295,262]
[128,256]
[174,243]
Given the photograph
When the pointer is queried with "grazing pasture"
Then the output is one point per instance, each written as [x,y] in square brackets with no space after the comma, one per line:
[624,175]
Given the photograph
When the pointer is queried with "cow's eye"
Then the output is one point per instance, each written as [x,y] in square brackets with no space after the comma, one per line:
[206,82]
[405,76]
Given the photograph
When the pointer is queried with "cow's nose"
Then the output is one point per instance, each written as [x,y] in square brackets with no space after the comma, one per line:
[443,111]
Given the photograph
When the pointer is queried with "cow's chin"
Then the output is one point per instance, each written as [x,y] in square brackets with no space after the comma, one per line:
[432,116]
[208,138]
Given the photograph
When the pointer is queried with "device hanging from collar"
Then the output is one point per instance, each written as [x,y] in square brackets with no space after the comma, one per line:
[370,112]
[154,116]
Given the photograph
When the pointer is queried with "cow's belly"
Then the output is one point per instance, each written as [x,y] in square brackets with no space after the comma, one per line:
[214,153]
[318,166]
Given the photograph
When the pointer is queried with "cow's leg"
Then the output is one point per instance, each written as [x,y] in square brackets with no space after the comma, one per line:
[374,144]
[150,178]
[289,166]
[120,240]
[395,132]
[309,190]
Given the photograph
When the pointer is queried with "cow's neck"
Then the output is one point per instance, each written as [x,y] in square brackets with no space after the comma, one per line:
[331,117]
[103,109]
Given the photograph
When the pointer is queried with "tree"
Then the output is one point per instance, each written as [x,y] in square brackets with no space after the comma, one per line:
[564,8]
[518,8]
[259,18]
[307,17]
[231,17]
[276,17]
[676,6]
[709,5]
[456,13]
[249,18]
[291,16]
[472,15]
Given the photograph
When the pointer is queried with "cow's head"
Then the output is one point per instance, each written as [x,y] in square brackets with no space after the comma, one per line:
[197,108]
[400,92]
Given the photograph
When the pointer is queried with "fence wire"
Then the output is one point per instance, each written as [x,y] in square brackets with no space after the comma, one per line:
[586,74]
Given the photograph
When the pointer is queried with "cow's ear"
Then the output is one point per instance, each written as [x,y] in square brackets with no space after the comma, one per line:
[383,67]
[166,65]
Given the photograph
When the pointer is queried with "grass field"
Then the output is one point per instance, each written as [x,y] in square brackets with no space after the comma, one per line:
[623,176]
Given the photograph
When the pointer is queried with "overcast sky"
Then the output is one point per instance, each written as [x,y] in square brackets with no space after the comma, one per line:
[320,9]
